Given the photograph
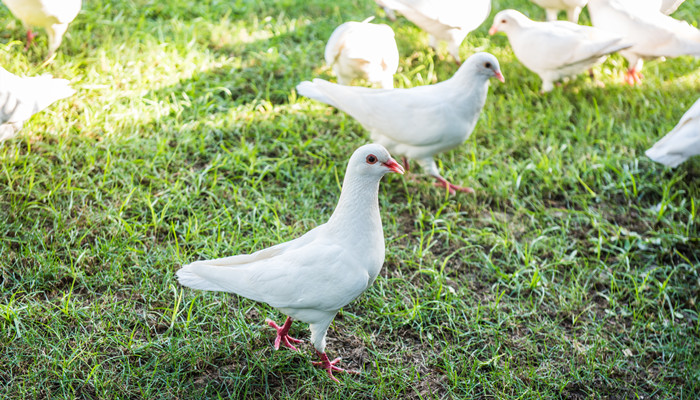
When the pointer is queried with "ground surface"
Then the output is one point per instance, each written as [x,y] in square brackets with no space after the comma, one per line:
[572,273]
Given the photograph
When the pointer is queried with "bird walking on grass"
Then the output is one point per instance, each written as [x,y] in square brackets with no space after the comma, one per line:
[52,15]
[651,33]
[20,98]
[310,278]
[681,143]
[420,122]
[555,49]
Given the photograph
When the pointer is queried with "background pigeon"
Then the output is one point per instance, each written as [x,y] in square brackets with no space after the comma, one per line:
[446,20]
[420,122]
[556,49]
[52,15]
[651,33]
[363,50]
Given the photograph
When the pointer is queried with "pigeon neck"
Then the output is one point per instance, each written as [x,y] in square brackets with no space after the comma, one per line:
[463,78]
[358,205]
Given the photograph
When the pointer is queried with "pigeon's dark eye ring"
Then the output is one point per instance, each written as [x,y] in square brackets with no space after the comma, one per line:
[487,65]
[371,159]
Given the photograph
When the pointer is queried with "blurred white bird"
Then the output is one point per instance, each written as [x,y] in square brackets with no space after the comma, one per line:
[572,7]
[681,143]
[310,278]
[420,122]
[52,15]
[669,6]
[363,50]
[20,98]
[652,33]
[665,6]
[446,20]
[556,49]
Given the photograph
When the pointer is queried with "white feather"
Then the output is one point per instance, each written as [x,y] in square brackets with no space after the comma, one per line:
[20,98]
[446,20]
[310,278]
[681,143]
[419,122]
[651,33]
[363,50]
[556,49]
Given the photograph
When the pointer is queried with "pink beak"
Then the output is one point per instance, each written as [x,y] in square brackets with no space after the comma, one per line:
[394,166]
[493,30]
[499,76]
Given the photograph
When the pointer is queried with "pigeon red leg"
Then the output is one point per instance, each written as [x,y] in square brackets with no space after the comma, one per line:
[283,334]
[329,366]
[404,160]
[443,183]
[30,38]
[633,76]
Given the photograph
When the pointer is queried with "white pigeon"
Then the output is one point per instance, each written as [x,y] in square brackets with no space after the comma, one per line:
[52,15]
[20,98]
[446,20]
[363,50]
[420,122]
[555,49]
[552,7]
[681,143]
[310,278]
[652,33]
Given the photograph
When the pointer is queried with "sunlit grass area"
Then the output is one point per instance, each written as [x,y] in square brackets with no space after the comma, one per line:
[573,272]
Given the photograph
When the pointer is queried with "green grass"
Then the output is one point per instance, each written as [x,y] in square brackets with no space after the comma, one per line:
[572,273]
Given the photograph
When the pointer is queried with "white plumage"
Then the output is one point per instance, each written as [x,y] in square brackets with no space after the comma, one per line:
[446,20]
[651,33]
[420,122]
[556,49]
[363,50]
[310,278]
[20,98]
[552,7]
[665,6]
[52,15]
[682,142]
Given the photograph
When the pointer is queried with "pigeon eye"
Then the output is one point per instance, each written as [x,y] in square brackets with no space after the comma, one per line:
[371,159]
[487,65]
[503,21]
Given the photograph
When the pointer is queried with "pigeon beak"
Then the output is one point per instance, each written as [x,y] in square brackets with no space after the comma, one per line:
[394,166]
[493,30]
[499,76]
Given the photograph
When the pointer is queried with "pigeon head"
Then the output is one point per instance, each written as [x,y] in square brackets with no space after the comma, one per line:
[373,160]
[507,20]
[484,64]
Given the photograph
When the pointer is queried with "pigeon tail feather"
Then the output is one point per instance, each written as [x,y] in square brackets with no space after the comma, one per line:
[668,159]
[187,276]
[313,91]
[53,89]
